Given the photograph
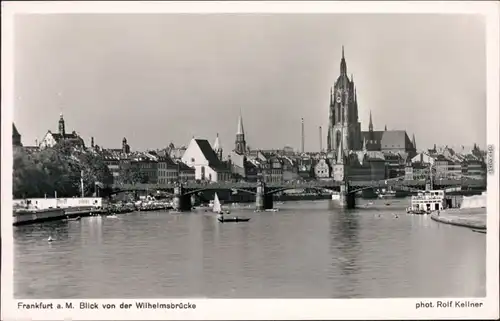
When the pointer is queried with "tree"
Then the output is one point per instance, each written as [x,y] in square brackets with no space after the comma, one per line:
[132,175]
[95,172]
[58,169]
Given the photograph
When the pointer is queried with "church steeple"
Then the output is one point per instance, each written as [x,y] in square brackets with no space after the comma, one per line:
[240,144]
[62,130]
[218,147]
[343,65]
[340,151]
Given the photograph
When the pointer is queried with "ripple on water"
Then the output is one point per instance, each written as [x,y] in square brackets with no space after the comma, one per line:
[308,249]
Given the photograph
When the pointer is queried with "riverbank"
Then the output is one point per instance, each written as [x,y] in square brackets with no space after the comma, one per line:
[466,217]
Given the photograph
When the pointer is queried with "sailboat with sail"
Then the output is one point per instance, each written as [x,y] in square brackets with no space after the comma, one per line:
[217,208]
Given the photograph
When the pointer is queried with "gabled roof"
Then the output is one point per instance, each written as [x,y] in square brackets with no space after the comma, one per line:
[71,136]
[209,154]
[184,167]
[395,139]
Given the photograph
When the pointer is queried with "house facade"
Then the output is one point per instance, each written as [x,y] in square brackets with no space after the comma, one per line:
[200,155]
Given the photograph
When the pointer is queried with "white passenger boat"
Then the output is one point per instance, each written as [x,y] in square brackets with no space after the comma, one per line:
[427,201]
[384,194]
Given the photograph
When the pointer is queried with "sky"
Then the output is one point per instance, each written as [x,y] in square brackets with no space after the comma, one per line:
[161,78]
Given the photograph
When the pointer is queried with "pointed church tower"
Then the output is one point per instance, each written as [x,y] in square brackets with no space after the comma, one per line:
[240,143]
[62,129]
[344,125]
[339,168]
[218,147]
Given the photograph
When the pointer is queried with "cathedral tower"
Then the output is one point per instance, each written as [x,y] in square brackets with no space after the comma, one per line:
[240,144]
[344,128]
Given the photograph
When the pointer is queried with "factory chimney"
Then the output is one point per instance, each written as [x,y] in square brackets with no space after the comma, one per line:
[320,140]
[302,142]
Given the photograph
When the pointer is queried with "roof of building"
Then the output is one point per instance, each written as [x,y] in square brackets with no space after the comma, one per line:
[210,156]
[184,167]
[71,136]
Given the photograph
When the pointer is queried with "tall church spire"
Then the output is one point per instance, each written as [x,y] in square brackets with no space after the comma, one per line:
[240,143]
[370,125]
[343,65]
[240,126]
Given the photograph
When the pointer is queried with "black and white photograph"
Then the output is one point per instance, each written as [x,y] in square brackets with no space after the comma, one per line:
[192,155]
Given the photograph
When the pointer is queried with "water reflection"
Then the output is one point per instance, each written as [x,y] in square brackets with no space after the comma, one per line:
[344,250]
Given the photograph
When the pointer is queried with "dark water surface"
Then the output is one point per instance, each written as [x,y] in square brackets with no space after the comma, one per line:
[308,249]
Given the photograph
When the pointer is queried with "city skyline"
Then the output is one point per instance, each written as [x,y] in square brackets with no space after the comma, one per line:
[275,69]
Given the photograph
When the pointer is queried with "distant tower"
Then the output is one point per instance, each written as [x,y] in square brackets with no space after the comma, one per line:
[62,130]
[92,142]
[344,128]
[339,168]
[240,144]
[302,142]
[385,128]
[218,147]
[125,146]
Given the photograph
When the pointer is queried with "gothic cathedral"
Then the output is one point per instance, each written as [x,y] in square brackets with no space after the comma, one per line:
[344,129]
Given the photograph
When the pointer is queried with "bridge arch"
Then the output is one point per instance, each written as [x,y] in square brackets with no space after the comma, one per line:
[317,188]
[216,188]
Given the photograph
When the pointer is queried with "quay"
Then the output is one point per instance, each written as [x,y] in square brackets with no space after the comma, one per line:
[465,217]
[36,210]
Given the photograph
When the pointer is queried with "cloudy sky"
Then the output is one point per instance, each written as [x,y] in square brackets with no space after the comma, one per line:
[164,78]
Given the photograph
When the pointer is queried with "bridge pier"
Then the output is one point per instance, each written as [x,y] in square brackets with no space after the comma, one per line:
[195,200]
[263,201]
[181,202]
[346,199]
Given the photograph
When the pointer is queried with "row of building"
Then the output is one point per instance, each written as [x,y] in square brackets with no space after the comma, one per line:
[202,161]
[351,153]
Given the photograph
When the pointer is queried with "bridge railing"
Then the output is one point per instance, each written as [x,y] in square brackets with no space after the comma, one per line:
[301,185]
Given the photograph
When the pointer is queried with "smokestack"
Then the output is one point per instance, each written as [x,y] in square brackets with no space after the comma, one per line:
[320,140]
[302,145]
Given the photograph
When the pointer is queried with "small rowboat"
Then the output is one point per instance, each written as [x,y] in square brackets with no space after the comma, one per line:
[232,219]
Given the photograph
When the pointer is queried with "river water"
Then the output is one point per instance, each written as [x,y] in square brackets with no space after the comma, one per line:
[306,250]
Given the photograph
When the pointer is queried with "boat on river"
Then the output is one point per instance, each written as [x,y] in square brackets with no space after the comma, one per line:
[385,194]
[427,201]
[234,219]
[217,206]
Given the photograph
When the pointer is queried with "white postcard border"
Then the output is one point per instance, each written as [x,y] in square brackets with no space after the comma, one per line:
[270,308]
